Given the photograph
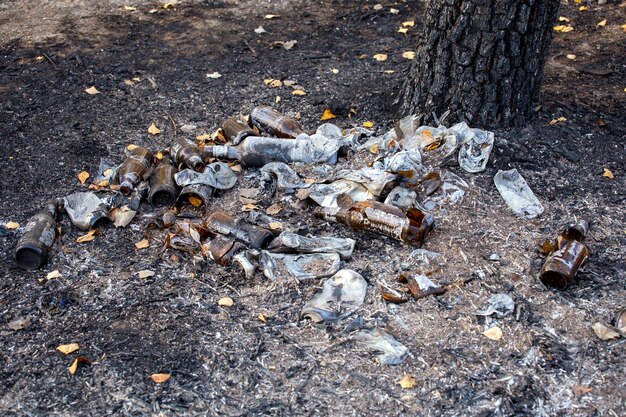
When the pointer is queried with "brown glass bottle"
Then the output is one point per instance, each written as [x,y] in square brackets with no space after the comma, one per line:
[222,250]
[250,235]
[163,188]
[186,154]
[34,246]
[134,168]
[562,265]
[235,130]
[383,219]
[274,123]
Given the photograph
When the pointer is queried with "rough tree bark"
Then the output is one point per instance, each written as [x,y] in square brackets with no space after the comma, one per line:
[481,59]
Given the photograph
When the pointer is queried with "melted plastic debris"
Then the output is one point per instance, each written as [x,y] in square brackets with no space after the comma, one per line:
[341,295]
[391,352]
[517,194]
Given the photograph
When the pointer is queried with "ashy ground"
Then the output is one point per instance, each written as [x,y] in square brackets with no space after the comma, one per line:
[150,65]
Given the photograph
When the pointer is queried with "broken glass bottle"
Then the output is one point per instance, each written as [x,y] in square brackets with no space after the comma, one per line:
[187,154]
[275,124]
[234,130]
[380,218]
[256,151]
[250,235]
[34,245]
[163,188]
[562,265]
[134,168]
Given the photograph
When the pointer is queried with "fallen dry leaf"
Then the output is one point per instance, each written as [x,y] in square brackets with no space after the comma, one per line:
[604,332]
[374,149]
[495,333]
[408,381]
[74,366]
[271,16]
[262,318]
[277,100]
[19,324]
[380,57]
[408,24]
[12,225]
[563,28]
[571,56]
[624,29]
[260,30]
[249,207]
[153,129]
[298,93]
[54,274]
[123,216]
[557,120]
[275,225]
[159,155]
[580,390]
[225,302]
[145,273]
[327,115]
[67,349]
[583,8]
[87,237]
[142,244]
[273,83]
[368,124]
[404,31]
[130,8]
[608,174]
[334,71]
[408,55]
[394,11]
[274,209]
[159,378]
[602,23]
[82,176]
[92,91]
[563,19]
[131,147]
[214,75]
[389,71]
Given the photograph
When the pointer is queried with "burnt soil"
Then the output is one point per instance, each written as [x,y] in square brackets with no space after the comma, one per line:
[226,361]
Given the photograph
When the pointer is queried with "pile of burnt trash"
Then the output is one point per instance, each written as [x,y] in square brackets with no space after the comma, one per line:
[395,196]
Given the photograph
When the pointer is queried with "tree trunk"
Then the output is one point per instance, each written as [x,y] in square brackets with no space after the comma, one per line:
[481,59]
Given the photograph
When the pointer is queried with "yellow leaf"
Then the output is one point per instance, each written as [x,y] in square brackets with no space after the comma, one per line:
[153,129]
[249,207]
[557,120]
[275,225]
[194,201]
[608,174]
[158,155]
[327,115]
[408,381]
[334,71]
[82,176]
[204,137]
[225,302]
[602,23]
[12,225]
[409,55]
[583,8]
[159,378]
[87,237]
[92,90]
[145,273]
[53,274]
[408,24]
[131,147]
[563,19]
[67,349]
[495,333]
[262,318]
[75,364]
[563,28]
[624,29]
[277,99]
[374,149]
[389,71]
[571,56]
[276,83]
[142,244]
[170,4]
[130,8]
[380,57]
[368,124]
[403,30]
[271,16]
[298,93]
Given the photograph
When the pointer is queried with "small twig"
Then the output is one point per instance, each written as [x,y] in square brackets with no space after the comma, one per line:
[50,59]
[171,121]
[250,47]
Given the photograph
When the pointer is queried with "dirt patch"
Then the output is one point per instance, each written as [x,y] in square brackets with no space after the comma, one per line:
[226,360]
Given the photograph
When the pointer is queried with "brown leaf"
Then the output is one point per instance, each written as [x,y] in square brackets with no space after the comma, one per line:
[495,333]
[249,207]
[69,348]
[298,93]
[80,360]
[87,237]
[580,390]
[53,274]
[19,324]
[608,174]
[142,244]
[131,147]
[12,225]
[602,23]
[82,176]
[159,378]
[225,302]
[92,90]
[194,201]
[146,273]
[274,209]
[380,57]
[604,332]
[275,225]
